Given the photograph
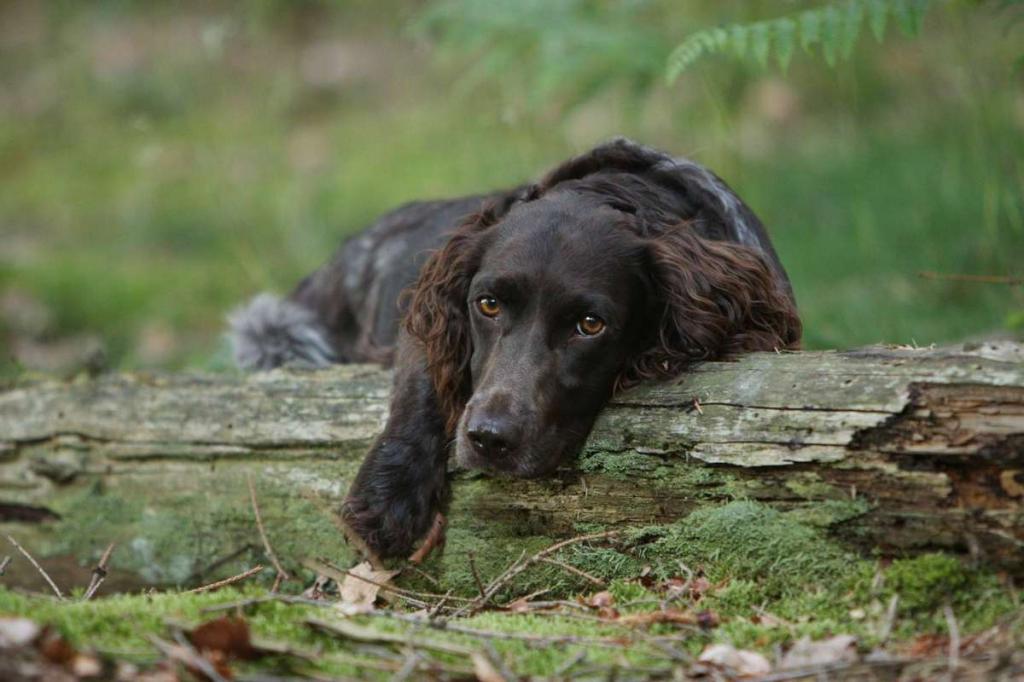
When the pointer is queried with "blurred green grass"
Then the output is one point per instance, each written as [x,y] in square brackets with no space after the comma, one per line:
[158,166]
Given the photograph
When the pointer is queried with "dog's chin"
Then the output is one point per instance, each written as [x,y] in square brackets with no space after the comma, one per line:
[524,465]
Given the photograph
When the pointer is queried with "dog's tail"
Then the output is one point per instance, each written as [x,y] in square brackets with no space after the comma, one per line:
[269,332]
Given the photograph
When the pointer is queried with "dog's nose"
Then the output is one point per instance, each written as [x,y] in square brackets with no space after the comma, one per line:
[492,437]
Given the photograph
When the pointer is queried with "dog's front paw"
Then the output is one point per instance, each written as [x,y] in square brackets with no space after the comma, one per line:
[388,526]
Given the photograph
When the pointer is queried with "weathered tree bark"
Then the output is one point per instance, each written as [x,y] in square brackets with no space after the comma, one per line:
[900,450]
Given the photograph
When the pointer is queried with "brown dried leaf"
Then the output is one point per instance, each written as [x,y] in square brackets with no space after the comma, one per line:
[928,645]
[599,600]
[742,663]
[363,593]
[519,606]
[55,648]
[805,653]
[699,586]
[226,638]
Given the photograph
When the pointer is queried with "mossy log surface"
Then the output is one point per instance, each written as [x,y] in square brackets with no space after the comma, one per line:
[884,449]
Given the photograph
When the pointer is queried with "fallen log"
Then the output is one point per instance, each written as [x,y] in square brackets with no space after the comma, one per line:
[891,450]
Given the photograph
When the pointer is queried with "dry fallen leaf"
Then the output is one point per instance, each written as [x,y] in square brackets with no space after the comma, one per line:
[15,632]
[519,606]
[600,600]
[743,663]
[227,637]
[484,668]
[805,653]
[363,593]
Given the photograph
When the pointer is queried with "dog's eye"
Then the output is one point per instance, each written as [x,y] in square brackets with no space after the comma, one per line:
[488,306]
[590,325]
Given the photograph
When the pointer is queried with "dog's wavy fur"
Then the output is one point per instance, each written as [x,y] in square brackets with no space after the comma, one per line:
[716,289]
[719,299]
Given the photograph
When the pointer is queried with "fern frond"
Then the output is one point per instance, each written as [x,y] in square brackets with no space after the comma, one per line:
[834,29]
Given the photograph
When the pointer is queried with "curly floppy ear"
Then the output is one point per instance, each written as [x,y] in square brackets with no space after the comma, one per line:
[717,299]
[437,315]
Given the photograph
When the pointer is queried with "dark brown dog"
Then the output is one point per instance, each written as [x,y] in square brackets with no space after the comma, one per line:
[528,310]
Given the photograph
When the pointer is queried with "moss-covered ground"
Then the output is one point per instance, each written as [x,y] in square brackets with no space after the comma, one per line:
[740,573]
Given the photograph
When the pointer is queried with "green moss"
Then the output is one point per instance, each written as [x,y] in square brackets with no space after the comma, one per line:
[628,465]
[745,539]
[829,513]
[925,581]
[163,536]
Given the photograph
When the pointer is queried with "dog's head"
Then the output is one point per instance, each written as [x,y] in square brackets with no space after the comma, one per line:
[540,307]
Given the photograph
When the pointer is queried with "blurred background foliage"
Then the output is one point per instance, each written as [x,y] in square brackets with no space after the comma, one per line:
[160,162]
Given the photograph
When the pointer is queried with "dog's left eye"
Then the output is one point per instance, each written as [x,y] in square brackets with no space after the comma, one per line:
[590,325]
[488,306]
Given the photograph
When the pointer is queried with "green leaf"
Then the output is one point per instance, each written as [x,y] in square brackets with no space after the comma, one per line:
[689,51]
[760,42]
[738,35]
[909,14]
[810,29]
[831,23]
[878,15]
[850,23]
[785,41]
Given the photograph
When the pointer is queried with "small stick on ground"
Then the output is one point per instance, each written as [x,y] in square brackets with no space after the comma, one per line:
[338,574]
[476,576]
[434,539]
[982,279]
[282,574]
[520,565]
[359,633]
[890,620]
[184,653]
[575,571]
[198,575]
[227,581]
[4,564]
[99,574]
[39,568]
[954,638]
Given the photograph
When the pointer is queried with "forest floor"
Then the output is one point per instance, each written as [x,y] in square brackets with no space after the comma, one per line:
[788,606]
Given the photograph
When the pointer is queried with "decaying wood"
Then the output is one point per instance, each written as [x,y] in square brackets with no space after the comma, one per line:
[895,449]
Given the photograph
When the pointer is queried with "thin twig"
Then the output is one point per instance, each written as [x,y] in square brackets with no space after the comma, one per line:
[476,575]
[184,653]
[521,565]
[981,279]
[350,630]
[198,575]
[575,571]
[282,574]
[954,638]
[227,581]
[99,574]
[4,564]
[571,663]
[338,574]
[890,620]
[423,574]
[350,534]
[433,539]
[436,608]
[39,568]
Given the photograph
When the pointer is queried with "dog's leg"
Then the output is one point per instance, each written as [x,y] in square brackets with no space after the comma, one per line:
[402,486]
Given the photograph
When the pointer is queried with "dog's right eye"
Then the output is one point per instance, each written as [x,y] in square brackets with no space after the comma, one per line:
[488,306]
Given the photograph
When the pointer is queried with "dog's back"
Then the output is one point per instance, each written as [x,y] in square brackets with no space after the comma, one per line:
[348,310]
